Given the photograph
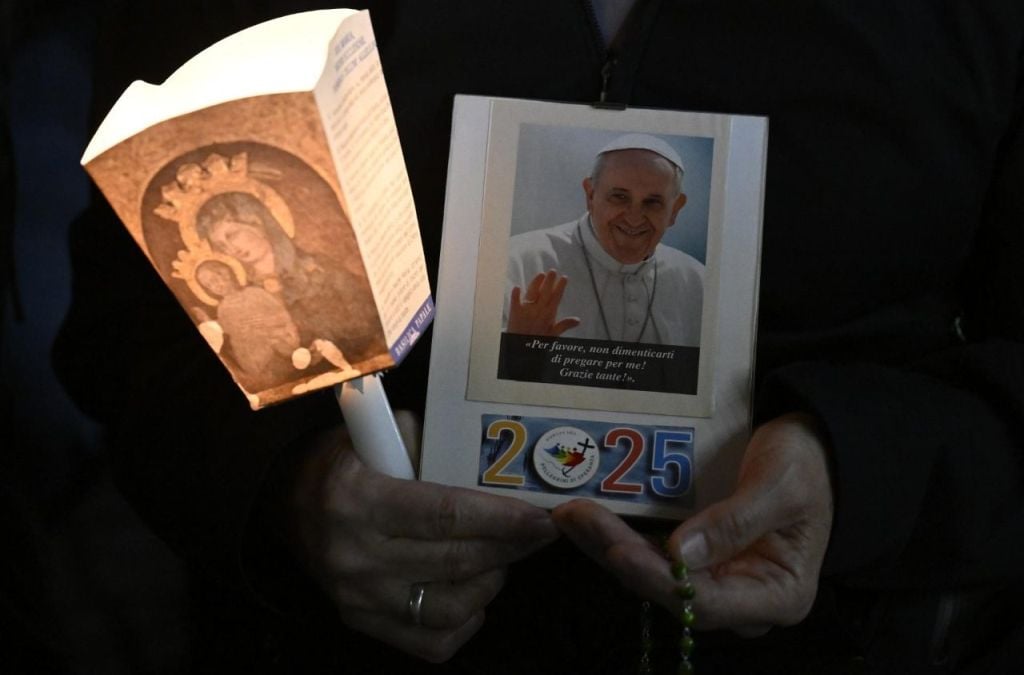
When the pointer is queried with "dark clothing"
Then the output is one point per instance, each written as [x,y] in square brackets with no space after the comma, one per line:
[891,306]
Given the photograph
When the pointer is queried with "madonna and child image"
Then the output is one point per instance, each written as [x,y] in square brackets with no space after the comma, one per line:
[256,248]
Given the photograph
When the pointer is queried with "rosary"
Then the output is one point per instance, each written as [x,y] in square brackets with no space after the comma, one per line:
[686,591]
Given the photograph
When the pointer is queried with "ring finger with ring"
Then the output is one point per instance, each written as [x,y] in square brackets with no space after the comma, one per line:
[446,605]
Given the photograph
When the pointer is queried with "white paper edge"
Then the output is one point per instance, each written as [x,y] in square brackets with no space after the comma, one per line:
[451,435]
[281,55]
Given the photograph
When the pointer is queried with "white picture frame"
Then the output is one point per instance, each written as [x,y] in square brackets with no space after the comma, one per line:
[659,449]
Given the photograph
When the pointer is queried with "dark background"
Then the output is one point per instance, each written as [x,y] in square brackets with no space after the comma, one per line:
[84,587]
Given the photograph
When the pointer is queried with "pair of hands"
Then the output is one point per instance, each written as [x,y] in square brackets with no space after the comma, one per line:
[754,558]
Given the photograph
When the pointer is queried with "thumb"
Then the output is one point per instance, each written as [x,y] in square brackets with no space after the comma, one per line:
[514,299]
[721,531]
[564,325]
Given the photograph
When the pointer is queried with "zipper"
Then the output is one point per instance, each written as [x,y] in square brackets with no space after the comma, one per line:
[938,651]
[606,75]
[609,59]
[595,27]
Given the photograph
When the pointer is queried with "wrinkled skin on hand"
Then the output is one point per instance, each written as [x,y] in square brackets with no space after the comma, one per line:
[754,558]
[367,538]
[535,312]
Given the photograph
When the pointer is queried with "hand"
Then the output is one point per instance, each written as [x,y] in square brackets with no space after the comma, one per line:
[537,313]
[367,538]
[754,558]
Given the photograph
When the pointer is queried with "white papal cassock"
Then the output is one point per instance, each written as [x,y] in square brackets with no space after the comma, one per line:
[655,301]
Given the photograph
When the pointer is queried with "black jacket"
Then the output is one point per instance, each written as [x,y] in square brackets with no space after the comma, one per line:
[892,299]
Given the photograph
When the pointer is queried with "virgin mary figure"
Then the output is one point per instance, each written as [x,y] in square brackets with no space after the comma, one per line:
[325,300]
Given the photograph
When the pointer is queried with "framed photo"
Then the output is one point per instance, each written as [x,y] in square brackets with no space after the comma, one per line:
[596,304]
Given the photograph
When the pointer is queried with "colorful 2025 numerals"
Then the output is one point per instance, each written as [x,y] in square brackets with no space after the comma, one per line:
[665,456]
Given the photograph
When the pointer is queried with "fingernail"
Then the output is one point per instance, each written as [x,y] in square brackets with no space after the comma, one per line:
[694,550]
[541,527]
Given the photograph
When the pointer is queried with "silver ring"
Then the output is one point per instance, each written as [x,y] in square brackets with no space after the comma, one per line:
[416,593]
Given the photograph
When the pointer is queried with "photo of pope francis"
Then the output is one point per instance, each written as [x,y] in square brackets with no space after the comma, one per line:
[606,275]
